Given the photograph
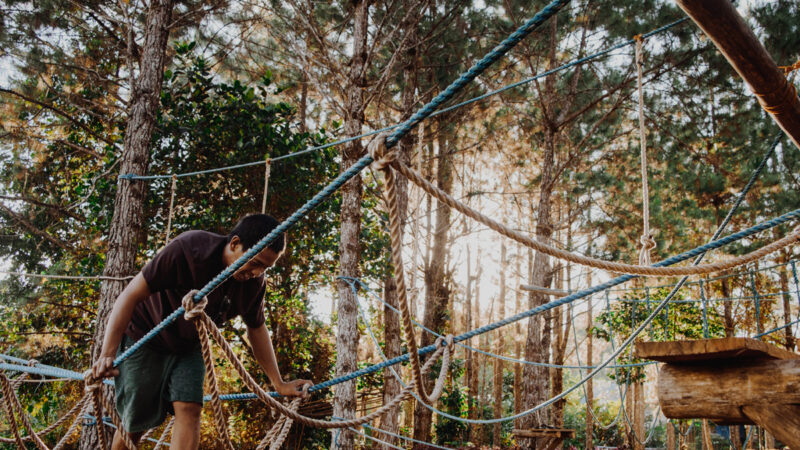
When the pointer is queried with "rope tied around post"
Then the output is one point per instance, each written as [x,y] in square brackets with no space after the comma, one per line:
[646,240]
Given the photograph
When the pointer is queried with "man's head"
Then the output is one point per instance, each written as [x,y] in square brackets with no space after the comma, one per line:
[244,235]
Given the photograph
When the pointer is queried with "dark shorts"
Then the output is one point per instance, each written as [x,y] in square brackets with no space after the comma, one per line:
[150,380]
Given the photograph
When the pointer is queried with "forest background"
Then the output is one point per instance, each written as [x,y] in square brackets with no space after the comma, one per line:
[94,90]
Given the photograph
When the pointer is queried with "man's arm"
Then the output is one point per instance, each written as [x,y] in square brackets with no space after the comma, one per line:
[134,293]
[265,355]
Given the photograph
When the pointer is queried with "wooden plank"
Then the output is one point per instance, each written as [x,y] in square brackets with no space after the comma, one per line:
[717,391]
[711,350]
[722,24]
[783,421]
[560,433]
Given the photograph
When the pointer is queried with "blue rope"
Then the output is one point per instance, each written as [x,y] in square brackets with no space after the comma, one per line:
[353,281]
[334,185]
[760,335]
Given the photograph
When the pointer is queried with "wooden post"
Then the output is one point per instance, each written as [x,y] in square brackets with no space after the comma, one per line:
[725,27]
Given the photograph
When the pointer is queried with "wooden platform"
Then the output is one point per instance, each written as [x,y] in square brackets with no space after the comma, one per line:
[560,433]
[710,350]
[729,381]
[552,438]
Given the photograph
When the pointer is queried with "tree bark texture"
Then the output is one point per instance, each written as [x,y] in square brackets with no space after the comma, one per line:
[125,233]
[344,404]
[497,433]
[436,284]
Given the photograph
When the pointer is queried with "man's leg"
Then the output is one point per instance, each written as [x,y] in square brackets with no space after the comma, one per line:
[118,444]
[186,431]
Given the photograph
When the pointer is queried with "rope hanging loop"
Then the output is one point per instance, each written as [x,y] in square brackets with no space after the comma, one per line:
[382,155]
[193,309]
[646,239]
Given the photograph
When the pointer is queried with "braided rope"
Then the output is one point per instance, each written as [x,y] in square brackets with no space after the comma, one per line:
[264,396]
[647,241]
[171,207]
[63,419]
[8,393]
[280,429]
[163,438]
[267,170]
[107,399]
[193,312]
[12,403]
[611,266]
[73,427]
[92,388]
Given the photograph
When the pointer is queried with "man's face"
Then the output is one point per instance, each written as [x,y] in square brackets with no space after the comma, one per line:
[256,266]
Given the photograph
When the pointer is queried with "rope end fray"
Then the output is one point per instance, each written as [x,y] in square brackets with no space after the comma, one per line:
[193,309]
[382,156]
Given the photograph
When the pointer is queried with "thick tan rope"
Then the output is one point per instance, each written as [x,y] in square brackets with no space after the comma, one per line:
[267,170]
[74,410]
[73,427]
[8,393]
[193,312]
[92,386]
[383,157]
[171,207]
[264,396]
[107,399]
[647,241]
[277,434]
[12,403]
[523,239]
[164,434]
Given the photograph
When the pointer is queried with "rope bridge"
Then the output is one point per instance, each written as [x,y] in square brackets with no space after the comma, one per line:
[381,153]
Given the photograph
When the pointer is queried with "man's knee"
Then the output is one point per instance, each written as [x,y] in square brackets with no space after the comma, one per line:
[187,410]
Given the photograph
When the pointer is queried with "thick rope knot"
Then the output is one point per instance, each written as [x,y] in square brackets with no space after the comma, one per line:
[648,244]
[90,383]
[383,157]
[193,309]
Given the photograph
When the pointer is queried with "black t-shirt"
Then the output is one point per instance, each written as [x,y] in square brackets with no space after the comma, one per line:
[189,262]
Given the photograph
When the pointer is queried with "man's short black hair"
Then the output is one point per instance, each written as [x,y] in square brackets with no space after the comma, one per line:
[254,227]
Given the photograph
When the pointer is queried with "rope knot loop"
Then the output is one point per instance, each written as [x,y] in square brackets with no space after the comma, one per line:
[193,309]
[648,244]
[90,383]
[383,157]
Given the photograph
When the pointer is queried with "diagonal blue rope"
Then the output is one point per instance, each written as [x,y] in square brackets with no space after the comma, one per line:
[403,129]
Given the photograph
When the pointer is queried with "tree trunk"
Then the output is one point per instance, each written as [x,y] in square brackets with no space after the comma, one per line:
[536,381]
[638,416]
[518,334]
[344,403]
[671,436]
[475,431]
[126,224]
[436,286]
[589,362]
[468,355]
[499,349]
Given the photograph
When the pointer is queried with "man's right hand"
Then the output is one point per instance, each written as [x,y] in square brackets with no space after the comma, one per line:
[104,367]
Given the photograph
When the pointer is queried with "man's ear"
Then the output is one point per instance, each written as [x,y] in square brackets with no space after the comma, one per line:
[235,241]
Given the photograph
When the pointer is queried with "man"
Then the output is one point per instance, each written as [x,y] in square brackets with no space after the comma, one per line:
[166,374]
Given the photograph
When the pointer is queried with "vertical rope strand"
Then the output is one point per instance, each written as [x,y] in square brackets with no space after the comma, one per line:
[171,207]
[647,238]
[267,170]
